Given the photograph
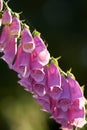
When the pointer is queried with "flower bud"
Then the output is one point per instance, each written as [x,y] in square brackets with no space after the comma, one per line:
[54,81]
[1,5]
[6,17]
[27,41]
[15,27]
[37,71]
[41,50]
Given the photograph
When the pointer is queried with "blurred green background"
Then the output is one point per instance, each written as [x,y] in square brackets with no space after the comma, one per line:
[63,25]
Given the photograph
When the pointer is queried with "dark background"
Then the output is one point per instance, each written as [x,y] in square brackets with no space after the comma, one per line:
[63,25]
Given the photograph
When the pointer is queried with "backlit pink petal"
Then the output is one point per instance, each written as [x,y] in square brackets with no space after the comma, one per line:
[64,104]
[39,43]
[4,37]
[37,74]
[22,63]
[53,106]
[81,102]
[39,88]
[68,127]
[41,50]
[27,84]
[27,40]
[61,116]
[76,114]
[37,70]
[64,101]
[54,92]
[44,57]
[44,101]
[78,103]
[79,122]
[6,17]
[54,78]
[15,26]
[75,89]
[54,81]
[10,51]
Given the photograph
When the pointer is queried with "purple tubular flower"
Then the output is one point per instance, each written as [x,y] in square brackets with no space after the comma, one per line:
[77,112]
[39,88]
[7,17]
[4,37]
[44,101]
[69,109]
[62,117]
[27,41]
[64,101]
[77,116]
[1,5]
[10,51]
[41,51]
[54,81]
[15,26]
[27,83]
[22,63]
[37,70]
[75,89]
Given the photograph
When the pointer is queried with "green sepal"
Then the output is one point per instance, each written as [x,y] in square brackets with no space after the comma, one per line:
[35,32]
[70,74]
[23,25]
[62,72]
[13,13]
[83,88]
[54,60]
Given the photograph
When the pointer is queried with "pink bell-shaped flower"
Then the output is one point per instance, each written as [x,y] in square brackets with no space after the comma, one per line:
[39,88]
[44,101]
[15,26]
[27,41]
[62,117]
[7,17]
[77,116]
[22,63]
[37,70]
[75,90]
[64,101]
[41,50]
[10,51]
[27,83]
[4,37]
[54,81]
